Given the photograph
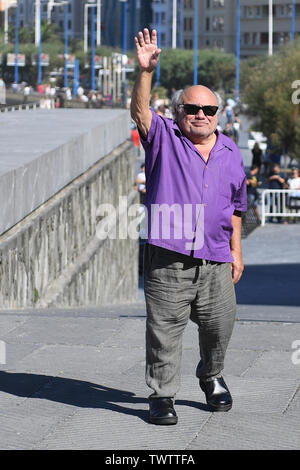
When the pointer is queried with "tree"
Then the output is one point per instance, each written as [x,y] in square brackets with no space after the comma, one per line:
[268,92]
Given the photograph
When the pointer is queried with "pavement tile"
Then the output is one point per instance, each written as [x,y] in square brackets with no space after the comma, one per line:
[248,431]
[64,330]
[58,359]
[270,361]
[262,336]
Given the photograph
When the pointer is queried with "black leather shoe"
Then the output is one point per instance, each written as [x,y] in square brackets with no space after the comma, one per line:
[217,394]
[162,411]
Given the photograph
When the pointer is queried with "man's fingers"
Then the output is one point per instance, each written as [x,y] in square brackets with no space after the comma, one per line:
[154,37]
[147,36]
[137,43]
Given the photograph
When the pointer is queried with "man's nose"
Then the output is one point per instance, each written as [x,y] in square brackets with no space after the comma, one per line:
[200,114]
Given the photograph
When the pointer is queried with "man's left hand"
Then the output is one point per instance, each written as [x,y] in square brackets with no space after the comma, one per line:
[237,266]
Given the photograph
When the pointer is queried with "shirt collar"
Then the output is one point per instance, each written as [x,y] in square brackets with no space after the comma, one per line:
[221,142]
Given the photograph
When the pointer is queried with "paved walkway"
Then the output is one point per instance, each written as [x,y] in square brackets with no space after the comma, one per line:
[74,379]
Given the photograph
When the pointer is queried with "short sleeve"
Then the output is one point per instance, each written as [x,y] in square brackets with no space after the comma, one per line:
[240,198]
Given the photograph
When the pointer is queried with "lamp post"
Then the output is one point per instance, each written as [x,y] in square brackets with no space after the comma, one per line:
[98,23]
[238,47]
[124,51]
[293,19]
[174,24]
[196,43]
[6,22]
[270,27]
[158,42]
[91,4]
[16,44]
[66,43]
[93,49]
[38,37]
[49,9]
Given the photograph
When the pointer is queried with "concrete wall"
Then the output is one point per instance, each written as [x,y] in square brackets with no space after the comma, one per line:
[50,254]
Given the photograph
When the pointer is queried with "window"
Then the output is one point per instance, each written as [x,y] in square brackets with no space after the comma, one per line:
[188,24]
[162,17]
[218,43]
[264,38]
[255,39]
[218,3]
[257,12]
[207,3]
[265,11]
[250,12]
[218,23]
[246,38]
[207,24]
[188,44]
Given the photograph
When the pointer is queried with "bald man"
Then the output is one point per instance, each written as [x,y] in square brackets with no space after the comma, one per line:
[195,193]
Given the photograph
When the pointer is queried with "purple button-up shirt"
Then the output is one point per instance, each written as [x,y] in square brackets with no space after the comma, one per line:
[190,202]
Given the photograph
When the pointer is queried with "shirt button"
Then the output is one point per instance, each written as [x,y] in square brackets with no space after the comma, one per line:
[206,185]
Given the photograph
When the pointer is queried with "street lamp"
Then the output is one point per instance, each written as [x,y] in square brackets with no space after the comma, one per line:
[270,27]
[238,46]
[174,24]
[293,19]
[38,37]
[196,43]
[17,43]
[124,51]
[49,9]
[6,22]
[93,49]
[91,4]
[158,42]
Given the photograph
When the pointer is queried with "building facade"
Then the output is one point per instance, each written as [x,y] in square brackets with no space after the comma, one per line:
[255,25]
[218,20]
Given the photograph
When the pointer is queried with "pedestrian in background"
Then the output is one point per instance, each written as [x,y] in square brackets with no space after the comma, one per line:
[257,156]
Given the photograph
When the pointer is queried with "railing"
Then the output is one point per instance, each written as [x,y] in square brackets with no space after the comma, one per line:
[280,203]
[18,107]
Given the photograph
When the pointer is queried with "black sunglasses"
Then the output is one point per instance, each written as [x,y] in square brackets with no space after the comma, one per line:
[208,110]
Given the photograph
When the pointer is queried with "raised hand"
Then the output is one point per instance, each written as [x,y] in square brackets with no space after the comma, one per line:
[147,51]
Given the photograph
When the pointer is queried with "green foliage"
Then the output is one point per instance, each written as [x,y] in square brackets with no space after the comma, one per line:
[216,69]
[268,93]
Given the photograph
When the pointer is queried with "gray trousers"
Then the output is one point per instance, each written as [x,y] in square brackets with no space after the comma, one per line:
[178,287]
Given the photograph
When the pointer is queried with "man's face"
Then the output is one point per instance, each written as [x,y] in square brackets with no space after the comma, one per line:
[295,174]
[198,127]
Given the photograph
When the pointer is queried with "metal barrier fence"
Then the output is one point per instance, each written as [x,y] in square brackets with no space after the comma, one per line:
[280,203]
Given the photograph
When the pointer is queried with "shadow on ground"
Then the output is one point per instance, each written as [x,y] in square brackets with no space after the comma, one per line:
[273,284]
[78,393]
